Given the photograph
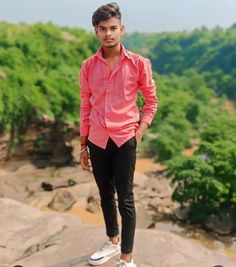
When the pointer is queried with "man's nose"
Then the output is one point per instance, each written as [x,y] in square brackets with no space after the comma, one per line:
[108,33]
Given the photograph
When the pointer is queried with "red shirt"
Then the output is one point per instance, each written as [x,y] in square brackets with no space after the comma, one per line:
[108,99]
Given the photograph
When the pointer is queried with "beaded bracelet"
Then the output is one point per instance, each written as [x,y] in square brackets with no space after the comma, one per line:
[83,150]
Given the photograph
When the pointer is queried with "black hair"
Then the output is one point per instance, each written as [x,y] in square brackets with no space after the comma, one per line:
[105,12]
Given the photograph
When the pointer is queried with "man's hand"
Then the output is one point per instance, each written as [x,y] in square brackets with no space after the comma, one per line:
[140,132]
[84,159]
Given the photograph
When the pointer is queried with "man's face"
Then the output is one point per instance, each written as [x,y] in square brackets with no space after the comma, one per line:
[109,32]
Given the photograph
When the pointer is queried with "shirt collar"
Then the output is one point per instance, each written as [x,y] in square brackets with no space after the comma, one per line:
[124,53]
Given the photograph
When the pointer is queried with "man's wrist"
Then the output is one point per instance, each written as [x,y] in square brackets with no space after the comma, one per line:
[83,144]
[144,125]
[83,149]
[83,141]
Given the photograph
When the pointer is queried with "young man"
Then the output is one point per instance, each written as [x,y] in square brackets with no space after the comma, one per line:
[111,128]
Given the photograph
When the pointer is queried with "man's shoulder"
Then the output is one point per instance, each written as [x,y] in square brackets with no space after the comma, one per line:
[137,57]
[88,60]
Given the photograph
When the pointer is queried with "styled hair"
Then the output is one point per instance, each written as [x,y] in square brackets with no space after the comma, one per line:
[105,12]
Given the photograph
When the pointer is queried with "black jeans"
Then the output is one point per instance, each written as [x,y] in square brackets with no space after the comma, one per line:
[113,169]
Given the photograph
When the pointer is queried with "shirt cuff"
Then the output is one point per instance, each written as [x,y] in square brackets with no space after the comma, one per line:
[84,131]
[147,119]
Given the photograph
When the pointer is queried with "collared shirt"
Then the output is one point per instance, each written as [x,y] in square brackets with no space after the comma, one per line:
[108,98]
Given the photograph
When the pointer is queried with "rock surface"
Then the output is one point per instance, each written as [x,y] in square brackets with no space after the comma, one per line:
[62,201]
[222,223]
[30,237]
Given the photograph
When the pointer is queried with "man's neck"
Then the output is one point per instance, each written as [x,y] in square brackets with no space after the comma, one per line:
[111,52]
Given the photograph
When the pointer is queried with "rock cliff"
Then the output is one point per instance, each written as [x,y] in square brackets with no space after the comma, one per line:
[32,238]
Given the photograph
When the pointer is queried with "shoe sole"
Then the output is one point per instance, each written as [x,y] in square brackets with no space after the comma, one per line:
[103,260]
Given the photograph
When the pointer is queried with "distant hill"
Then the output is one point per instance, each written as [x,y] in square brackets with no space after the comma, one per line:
[212,52]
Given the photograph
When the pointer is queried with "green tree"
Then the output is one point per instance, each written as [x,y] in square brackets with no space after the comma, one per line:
[207,181]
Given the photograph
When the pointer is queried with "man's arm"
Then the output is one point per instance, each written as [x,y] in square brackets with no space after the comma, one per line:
[85,109]
[84,154]
[140,131]
[148,89]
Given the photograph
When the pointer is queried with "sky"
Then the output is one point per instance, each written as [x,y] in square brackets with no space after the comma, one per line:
[138,15]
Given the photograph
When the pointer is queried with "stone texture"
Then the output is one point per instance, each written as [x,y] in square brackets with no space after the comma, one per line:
[32,238]
[223,223]
[62,201]
[57,144]
[25,230]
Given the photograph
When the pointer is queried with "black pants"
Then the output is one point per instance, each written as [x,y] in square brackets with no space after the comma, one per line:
[113,169]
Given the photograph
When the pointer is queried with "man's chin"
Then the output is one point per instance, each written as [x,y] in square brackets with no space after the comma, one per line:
[109,45]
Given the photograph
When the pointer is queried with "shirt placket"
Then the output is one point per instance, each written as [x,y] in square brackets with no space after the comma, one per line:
[108,100]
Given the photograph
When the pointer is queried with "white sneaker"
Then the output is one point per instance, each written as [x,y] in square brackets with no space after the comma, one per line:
[105,253]
[122,263]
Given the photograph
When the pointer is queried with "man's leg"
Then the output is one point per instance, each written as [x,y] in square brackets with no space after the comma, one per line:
[102,170]
[123,169]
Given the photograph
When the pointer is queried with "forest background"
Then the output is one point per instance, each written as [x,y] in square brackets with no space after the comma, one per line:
[195,73]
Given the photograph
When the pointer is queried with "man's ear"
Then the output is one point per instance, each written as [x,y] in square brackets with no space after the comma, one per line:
[96,30]
[122,30]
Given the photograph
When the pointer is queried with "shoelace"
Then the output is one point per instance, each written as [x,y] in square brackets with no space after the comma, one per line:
[105,246]
[121,264]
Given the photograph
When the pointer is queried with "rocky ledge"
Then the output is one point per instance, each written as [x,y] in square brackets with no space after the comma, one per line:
[30,237]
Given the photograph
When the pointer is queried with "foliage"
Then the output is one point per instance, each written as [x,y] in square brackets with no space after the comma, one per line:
[196,71]
[195,76]
[39,65]
[212,52]
[207,180]
[184,103]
